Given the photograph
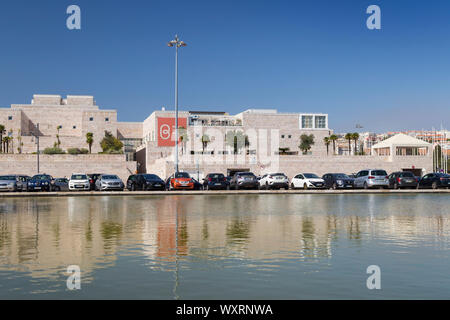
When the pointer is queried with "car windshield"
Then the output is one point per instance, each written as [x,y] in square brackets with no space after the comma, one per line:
[407,174]
[246,174]
[111,177]
[341,176]
[216,176]
[311,176]
[7,178]
[151,177]
[179,175]
[79,177]
[379,173]
[61,180]
[42,178]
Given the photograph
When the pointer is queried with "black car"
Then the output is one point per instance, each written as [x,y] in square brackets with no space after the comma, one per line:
[435,181]
[215,181]
[40,182]
[244,180]
[145,182]
[197,185]
[338,181]
[93,179]
[398,180]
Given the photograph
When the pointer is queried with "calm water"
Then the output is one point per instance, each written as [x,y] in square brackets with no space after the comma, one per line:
[226,247]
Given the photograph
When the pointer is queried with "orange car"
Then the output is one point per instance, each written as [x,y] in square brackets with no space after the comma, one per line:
[180,181]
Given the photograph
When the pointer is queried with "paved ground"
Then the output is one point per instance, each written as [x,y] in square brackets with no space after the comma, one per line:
[239,192]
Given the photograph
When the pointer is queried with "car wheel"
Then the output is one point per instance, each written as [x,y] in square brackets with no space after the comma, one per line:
[267,186]
[434,186]
[334,186]
[305,187]
[366,187]
[292,186]
[133,187]
[57,189]
[396,186]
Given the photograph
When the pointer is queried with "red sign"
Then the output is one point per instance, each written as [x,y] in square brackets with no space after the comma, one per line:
[166,131]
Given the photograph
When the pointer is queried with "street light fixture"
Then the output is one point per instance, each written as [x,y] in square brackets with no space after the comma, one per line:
[177,43]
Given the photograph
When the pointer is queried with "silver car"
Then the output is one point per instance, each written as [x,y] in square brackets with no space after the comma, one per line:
[372,178]
[109,182]
[13,183]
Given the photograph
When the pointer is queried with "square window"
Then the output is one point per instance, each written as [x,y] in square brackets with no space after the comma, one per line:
[107,119]
[307,122]
[321,122]
[290,137]
[282,137]
[10,118]
[74,127]
[91,119]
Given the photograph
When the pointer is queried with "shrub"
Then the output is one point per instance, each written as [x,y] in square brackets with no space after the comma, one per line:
[110,144]
[54,150]
[75,151]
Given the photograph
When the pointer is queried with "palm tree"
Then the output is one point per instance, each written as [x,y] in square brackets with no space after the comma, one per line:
[6,141]
[349,137]
[2,132]
[327,141]
[355,137]
[58,143]
[90,140]
[237,140]
[333,138]
[205,140]
[183,136]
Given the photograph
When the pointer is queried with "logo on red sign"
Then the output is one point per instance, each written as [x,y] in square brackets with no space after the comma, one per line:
[166,131]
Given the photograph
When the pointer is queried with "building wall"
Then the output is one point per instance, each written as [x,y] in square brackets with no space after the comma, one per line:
[60,166]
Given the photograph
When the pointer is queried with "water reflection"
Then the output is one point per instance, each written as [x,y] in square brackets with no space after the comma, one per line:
[41,237]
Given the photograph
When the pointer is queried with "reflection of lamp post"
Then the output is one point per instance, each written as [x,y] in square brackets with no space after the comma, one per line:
[177,43]
[36,135]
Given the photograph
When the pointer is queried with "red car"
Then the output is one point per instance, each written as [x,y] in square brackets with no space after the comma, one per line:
[180,181]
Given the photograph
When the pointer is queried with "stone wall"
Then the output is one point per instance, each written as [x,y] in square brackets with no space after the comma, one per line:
[60,166]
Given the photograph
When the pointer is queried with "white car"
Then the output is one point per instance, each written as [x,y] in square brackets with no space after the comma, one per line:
[307,181]
[79,181]
[274,181]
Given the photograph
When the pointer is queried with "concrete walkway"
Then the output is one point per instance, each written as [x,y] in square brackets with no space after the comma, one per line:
[221,192]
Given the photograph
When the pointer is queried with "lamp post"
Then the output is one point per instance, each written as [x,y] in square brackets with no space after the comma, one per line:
[177,43]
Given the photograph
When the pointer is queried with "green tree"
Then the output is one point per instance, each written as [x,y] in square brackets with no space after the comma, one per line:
[183,138]
[90,140]
[333,139]
[306,143]
[111,144]
[6,141]
[236,140]
[349,137]
[355,137]
[205,140]
[327,142]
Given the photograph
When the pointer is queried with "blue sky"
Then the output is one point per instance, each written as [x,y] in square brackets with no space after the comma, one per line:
[296,56]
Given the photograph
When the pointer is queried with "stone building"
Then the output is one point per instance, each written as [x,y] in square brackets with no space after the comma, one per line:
[72,118]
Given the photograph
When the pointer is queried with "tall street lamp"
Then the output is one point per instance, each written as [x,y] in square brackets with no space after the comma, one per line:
[36,136]
[177,43]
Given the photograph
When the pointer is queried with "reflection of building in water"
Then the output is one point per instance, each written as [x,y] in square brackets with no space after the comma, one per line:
[44,236]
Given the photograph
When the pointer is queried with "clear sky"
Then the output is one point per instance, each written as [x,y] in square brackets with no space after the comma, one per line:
[296,56]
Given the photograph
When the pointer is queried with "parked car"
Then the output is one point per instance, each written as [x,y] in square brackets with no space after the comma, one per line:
[274,181]
[307,181]
[338,181]
[244,180]
[92,179]
[435,181]
[22,182]
[215,181]
[79,181]
[398,180]
[10,183]
[61,184]
[145,182]
[40,182]
[372,178]
[107,182]
[180,181]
